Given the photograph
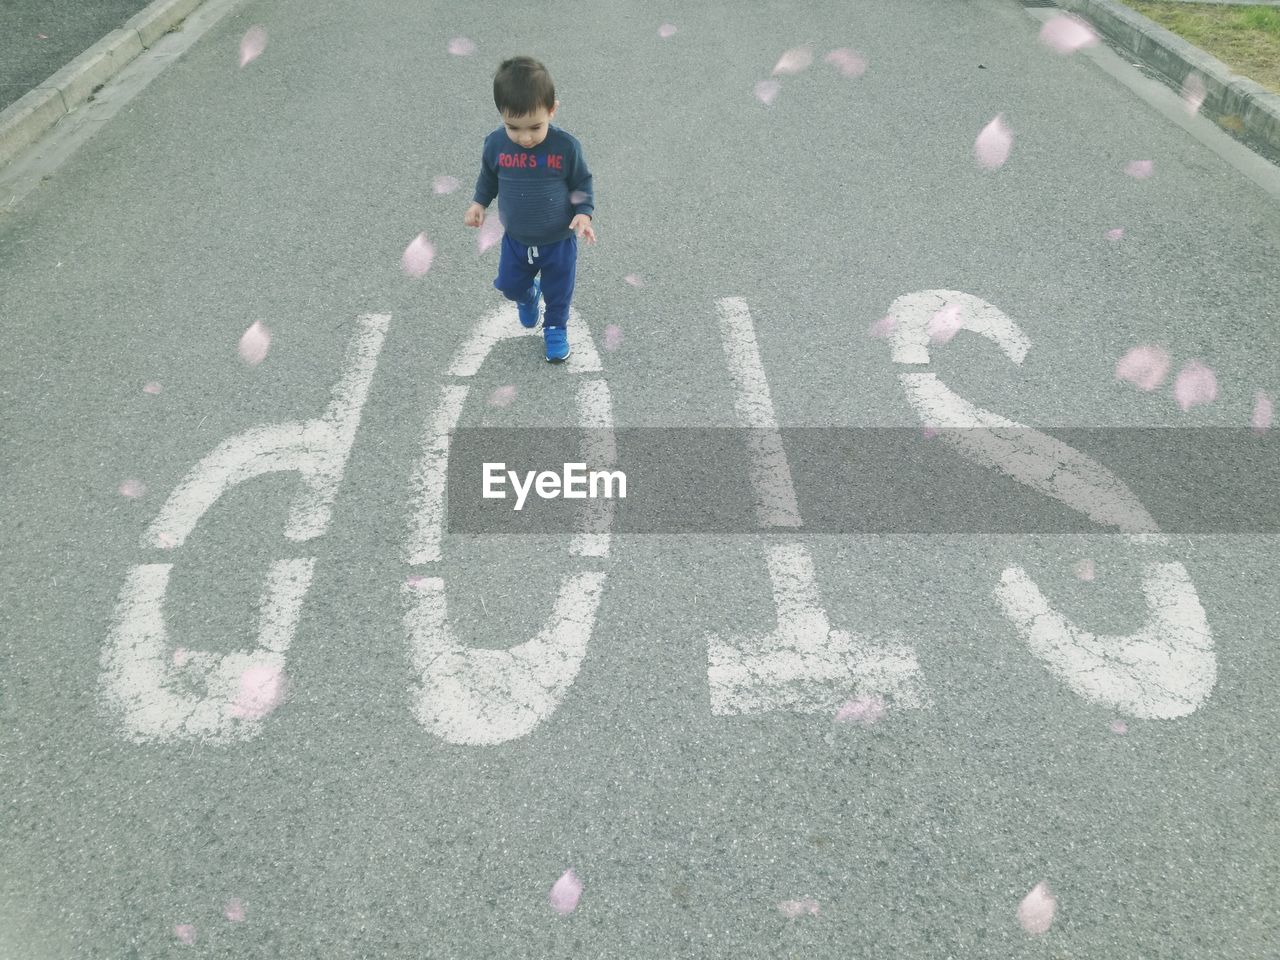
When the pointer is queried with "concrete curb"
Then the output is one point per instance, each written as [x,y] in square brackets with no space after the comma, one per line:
[1226,94]
[25,120]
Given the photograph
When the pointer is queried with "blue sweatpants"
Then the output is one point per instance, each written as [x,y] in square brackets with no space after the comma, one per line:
[558,263]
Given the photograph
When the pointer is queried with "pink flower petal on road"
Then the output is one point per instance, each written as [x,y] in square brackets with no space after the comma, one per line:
[417,256]
[1115,234]
[1195,385]
[252,44]
[865,709]
[185,932]
[502,396]
[565,893]
[254,344]
[767,90]
[1139,169]
[929,432]
[461,47]
[634,280]
[1067,34]
[1193,92]
[993,143]
[1035,913]
[945,324]
[1084,570]
[167,541]
[850,63]
[612,337]
[1261,412]
[1144,366]
[490,233]
[132,488]
[151,387]
[181,656]
[883,327]
[666,30]
[445,184]
[1119,726]
[261,689]
[796,908]
[793,61]
[233,911]
[416,581]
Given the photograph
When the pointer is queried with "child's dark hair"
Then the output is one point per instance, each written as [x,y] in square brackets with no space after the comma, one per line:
[521,86]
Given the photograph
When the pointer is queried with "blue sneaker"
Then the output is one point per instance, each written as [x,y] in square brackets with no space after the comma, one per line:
[557,342]
[529,311]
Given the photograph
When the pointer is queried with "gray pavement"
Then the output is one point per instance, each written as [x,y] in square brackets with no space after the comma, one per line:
[352,821]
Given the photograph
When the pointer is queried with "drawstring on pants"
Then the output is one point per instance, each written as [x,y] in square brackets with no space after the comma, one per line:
[532,251]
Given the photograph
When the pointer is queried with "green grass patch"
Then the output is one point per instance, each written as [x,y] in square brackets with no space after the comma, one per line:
[1246,39]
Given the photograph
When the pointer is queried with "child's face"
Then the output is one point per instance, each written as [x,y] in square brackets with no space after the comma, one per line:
[532,130]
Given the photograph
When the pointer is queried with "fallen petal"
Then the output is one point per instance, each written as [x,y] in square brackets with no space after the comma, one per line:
[185,932]
[848,62]
[445,184]
[1035,913]
[132,488]
[1119,726]
[254,344]
[490,233]
[1261,412]
[180,656]
[1084,569]
[944,324]
[261,689]
[865,709]
[565,893]
[793,61]
[151,387]
[612,337]
[252,44]
[883,326]
[767,90]
[632,279]
[417,256]
[461,47]
[1139,169]
[1196,384]
[502,396]
[796,908]
[1067,34]
[666,30]
[1144,366]
[1193,92]
[1115,234]
[233,911]
[993,143]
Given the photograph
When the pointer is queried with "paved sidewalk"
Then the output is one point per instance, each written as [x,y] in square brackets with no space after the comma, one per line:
[70,27]
[1246,109]
[1233,3]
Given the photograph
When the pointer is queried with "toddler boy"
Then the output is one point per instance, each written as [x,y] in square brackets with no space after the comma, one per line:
[544,195]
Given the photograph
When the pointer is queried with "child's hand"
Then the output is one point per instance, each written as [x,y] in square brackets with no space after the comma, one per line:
[581,225]
[475,216]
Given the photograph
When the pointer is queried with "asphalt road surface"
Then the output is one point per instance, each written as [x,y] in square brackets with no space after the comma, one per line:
[258,699]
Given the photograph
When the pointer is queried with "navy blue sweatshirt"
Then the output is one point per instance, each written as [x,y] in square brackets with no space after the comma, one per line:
[539,191]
